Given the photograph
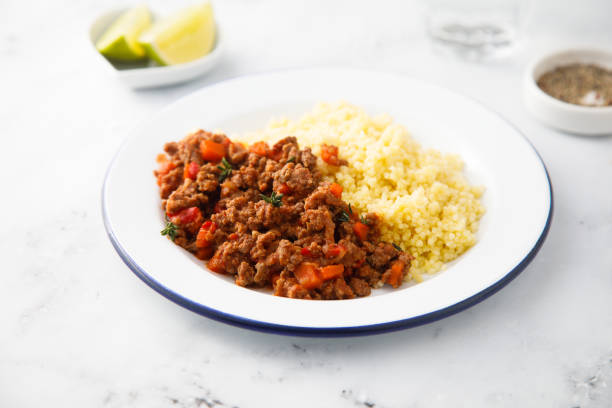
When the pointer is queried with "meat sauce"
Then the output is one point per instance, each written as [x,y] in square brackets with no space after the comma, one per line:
[265,217]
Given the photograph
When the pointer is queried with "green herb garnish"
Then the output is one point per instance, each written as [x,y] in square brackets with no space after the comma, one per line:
[291,159]
[364,220]
[274,199]
[397,247]
[170,229]
[344,216]
[226,170]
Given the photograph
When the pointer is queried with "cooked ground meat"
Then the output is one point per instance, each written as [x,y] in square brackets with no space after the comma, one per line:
[265,217]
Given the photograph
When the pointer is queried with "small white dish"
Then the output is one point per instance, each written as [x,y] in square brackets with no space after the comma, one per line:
[147,74]
[518,200]
[561,115]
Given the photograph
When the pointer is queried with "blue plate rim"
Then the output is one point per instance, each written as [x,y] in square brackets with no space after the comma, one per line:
[352,331]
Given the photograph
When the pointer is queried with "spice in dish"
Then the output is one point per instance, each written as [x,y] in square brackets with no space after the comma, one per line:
[579,84]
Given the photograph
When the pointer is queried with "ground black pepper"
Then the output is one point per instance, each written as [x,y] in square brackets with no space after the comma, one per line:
[579,84]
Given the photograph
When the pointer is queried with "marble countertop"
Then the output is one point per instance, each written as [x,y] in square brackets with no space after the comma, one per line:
[80,330]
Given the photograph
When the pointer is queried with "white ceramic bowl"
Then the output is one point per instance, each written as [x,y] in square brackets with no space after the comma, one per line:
[147,74]
[562,115]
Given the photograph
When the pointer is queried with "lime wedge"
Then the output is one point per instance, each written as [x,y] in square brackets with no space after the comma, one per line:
[120,40]
[185,36]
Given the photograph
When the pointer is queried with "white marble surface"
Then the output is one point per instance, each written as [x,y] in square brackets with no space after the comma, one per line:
[80,330]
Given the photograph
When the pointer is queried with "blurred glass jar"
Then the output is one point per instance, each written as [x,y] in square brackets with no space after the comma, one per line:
[476,29]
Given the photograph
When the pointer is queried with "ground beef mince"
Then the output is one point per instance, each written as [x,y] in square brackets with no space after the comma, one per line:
[264,216]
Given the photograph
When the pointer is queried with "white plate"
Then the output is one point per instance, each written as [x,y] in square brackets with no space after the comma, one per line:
[518,200]
[146,74]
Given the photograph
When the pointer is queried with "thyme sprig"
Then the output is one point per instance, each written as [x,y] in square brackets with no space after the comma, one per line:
[226,169]
[343,216]
[274,199]
[170,229]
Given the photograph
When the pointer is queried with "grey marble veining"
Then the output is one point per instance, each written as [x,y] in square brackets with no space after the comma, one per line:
[79,329]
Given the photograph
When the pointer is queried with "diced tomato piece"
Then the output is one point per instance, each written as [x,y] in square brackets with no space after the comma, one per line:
[307,274]
[216,264]
[306,252]
[186,216]
[191,171]
[212,151]
[209,226]
[204,253]
[191,214]
[284,189]
[336,190]
[329,154]
[395,275]
[233,236]
[275,154]
[361,230]
[204,238]
[259,148]
[335,250]
[332,271]
[165,167]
